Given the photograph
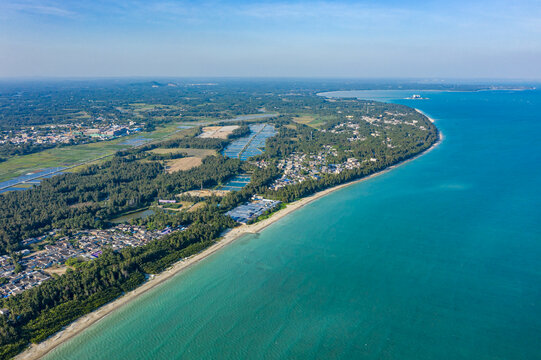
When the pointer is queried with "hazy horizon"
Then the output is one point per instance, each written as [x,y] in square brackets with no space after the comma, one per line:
[431,40]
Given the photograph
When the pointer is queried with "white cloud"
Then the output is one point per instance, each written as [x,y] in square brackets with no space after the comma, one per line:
[37,8]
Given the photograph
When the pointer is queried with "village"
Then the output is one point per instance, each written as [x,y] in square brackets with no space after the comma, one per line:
[350,127]
[66,133]
[35,267]
[57,253]
[298,168]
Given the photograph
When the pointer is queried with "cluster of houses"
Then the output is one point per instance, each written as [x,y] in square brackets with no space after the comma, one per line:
[301,167]
[35,136]
[17,283]
[65,133]
[49,256]
[34,267]
[349,128]
[391,119]
[92,242]
[111,131]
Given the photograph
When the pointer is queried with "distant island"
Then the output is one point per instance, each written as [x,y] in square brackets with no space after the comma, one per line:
[416,97]
[219,161]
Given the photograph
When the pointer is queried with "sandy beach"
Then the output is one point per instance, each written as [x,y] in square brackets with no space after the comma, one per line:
[40,350]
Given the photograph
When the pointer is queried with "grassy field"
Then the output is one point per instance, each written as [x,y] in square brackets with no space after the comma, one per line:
[24,186]
[201,153]
[312,120]
[66,156]
[87,153]
[72,155]
[196,206]
[195,156]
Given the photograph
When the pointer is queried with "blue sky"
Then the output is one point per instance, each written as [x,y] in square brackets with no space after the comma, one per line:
[356,39]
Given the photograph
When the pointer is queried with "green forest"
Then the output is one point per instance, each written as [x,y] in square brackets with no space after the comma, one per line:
[136,178]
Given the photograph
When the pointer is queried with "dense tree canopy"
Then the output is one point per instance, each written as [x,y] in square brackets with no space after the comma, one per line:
[136,178]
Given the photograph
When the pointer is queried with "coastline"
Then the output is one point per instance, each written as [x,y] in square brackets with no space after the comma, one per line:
[37,351]
[430,119]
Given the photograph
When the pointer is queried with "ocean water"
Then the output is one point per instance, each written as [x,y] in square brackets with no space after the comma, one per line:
[437,259]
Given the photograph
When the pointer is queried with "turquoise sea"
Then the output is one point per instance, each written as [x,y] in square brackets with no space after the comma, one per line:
[437,259]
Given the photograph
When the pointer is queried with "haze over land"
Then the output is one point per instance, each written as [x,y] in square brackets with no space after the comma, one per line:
[435,39]
[371,165]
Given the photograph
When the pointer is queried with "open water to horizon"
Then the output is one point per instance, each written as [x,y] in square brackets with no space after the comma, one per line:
[437,259]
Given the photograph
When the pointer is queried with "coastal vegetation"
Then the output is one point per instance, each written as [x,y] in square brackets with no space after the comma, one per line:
[102,192]
[367,136]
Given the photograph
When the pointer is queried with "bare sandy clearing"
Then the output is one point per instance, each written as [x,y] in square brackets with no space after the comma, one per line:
[182,164]
[205,193]
[219,132]
[58,270]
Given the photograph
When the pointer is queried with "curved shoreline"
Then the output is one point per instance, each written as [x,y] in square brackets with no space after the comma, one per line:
[37,351]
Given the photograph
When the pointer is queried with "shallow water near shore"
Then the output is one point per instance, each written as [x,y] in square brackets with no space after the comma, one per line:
[436,259]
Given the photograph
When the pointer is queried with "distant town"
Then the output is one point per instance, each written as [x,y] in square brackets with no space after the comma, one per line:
[67,133]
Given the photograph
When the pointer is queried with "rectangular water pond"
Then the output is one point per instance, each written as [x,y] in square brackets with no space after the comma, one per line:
[252,144]
[236,183]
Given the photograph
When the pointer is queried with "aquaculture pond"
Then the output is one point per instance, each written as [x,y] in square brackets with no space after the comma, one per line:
[236,183]
[250,145]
